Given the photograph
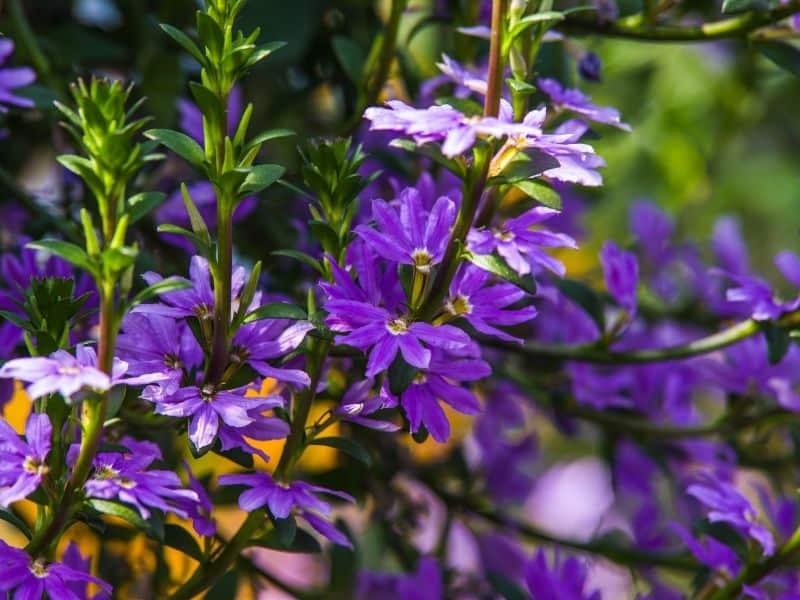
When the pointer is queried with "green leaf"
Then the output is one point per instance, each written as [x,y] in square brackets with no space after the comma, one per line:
[210,34]
[69,252]
[302,257]
[303,543]
[401,374]
[225,588]
[586,298]
[520,87]
[236,455]
[540,191]
[734,6]
[276,310]
[498,266]
[346,445]
[432,152]
[152,527]
[286,530]
[782,54]
[529,21]
[351,56]
[271,134]
[180,143]
[183,40]
[196,220]
[263,52]
[260,177]
[200,245]
[170,284]
[778,342]
[506,588]
[10,517]
[140,205]
[208,103]
[525,167]
[16,320]
[177,537]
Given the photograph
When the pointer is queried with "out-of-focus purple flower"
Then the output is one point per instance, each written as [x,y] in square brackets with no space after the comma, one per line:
[198,511]
[152,343]
[406,236]
[727,505]
[359,402]
[23,463]
[424,584]
[708,551]
[282,499]
[73,559]
[520,244]
[580,104]
[589,66]
[467,81]
[213,409]
[124,476]
[256,343]
[565,580]
[729,248]
[484,306]
[66,374]
[13,78]
[31,579]
[197,300]
[379,331]
[601,387]
[621,271]
[439,382]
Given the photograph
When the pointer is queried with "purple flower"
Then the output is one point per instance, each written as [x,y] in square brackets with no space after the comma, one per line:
[424,584]
[379,331]
[438,382]
[621,270]
[73,559]
[67,374]
[256,343]
[521,245]
[31,579]
[196,301]
[727,505]
[12,78]
[484,306]
[563,581]
[198,511]
[407,236]
[581,104]
[23,463]
[359,402]
[212,410]
[282,499]
[709,551]
[123,476]
[589,66]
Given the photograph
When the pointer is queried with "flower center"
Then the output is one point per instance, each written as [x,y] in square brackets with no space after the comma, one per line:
[203,312]
[127,483]
[460,305]
[106,472]
[420,378]
[173,362]
[423,261]
[31,464]
[38,568]
[397,326]
[207,392]
[503,236]
[69,370]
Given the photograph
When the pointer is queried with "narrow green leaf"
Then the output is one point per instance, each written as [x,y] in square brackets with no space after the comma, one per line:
[200,245]
[10,517]
[498,266]
[303,543]
[183,40]
[401,374]
[302,257]
[734,6]
[16,320]
[69,252]
[346,445]
[180,143]
[170,284]
[177,537]
[586,298]
[276,310]
[778,342]
[263,52]
[350,56]
[260,177]
[785,55]
[152,527]
[225,588]
[540,191]
[270,134]
[142,204]
[196,220]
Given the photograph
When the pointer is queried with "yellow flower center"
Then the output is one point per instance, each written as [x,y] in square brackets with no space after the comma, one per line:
[397,326]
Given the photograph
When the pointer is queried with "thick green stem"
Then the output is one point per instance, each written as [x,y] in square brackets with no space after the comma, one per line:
[208,574]
[755,572]
[594,353]
[636,28]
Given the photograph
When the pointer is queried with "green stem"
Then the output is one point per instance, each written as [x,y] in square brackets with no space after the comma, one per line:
[30,45]
[755,572]
[595,354]
[220,354]
[635,28]
[205,576]
[374,81]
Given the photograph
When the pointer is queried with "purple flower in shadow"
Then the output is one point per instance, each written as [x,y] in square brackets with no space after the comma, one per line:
[23,463]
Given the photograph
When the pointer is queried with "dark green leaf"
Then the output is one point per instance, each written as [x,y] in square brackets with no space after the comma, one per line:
[540,191]
[351,56]
[734,6]
[508,589]
[180,143]
[271,134]
[184,41]
[200,245]
[286,529]
[177,537]
[153,527]
[778,342]
[346,445]
[401,374]
[302,257]
[16,320]
[498,266]
[260,177]
[10,517]
[586,298]
[225,588]
[236,455]
[276,310]
[303,543]
[140,205]
[783,54]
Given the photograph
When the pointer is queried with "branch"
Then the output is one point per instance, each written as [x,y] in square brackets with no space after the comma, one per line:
[637,28]
[597,354]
